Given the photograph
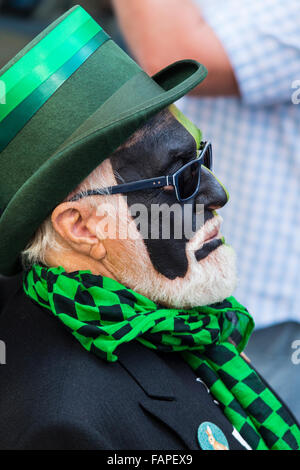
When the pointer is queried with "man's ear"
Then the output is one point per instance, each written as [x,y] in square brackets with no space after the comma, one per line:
[76,224]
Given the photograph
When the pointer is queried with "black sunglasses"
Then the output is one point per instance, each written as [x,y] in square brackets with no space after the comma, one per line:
[186,180]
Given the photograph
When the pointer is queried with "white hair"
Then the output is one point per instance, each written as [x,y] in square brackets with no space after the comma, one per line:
[45,237]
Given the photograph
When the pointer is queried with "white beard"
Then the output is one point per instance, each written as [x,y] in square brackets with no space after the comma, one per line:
[207,281]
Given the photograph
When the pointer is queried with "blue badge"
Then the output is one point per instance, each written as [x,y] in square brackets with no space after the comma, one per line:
[211,437]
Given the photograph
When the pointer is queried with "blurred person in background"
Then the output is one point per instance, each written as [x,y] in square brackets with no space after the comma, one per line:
[248,108]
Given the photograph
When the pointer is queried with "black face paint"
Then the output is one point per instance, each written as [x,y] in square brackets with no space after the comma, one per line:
[207,248]
[161,147]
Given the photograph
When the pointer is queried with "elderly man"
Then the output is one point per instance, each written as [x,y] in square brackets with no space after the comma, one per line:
[124,334]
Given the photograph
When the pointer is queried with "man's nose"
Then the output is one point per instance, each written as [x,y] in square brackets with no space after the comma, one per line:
[213,193]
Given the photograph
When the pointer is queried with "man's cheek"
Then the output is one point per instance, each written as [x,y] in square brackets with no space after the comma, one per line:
[168,257]
[165,240]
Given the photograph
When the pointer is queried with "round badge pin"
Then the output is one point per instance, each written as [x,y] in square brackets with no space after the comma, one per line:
[211,437]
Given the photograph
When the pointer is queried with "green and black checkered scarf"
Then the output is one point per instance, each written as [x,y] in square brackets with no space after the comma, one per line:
[102,314]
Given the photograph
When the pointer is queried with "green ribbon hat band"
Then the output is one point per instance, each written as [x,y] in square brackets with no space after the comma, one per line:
[31,81]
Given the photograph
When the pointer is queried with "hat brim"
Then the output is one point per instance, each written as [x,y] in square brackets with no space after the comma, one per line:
[112,124]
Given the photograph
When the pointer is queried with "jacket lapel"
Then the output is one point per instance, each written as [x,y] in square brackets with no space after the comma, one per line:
[166,398]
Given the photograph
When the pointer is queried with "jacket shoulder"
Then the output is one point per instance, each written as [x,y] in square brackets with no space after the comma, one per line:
[51,386]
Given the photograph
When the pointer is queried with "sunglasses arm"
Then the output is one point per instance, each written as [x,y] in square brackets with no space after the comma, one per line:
[140,185]
[127,187]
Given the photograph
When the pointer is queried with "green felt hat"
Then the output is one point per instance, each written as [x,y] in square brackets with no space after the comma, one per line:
[72,97]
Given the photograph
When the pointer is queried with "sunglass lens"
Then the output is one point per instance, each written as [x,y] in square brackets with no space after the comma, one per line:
[188,180]
[207,158]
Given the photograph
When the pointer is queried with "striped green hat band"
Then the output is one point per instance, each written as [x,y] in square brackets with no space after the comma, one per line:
[36,76]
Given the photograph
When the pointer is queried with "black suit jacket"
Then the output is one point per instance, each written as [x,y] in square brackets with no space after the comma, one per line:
[56,395]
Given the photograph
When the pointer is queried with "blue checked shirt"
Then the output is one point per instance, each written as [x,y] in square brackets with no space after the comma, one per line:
[256,144]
